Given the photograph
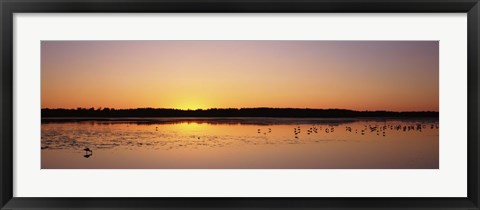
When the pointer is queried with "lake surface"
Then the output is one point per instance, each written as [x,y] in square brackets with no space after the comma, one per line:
[240,143]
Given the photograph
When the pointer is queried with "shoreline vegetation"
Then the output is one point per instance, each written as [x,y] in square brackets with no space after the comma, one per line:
[229,112]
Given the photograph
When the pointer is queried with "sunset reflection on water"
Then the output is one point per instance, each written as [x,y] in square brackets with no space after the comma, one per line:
[241,143]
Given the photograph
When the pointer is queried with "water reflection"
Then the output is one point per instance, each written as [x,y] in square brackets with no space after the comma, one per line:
[240,143]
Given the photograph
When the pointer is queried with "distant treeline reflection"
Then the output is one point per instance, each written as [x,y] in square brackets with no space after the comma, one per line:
[230,112]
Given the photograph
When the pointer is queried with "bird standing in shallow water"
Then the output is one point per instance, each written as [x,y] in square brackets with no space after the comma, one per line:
[88,152]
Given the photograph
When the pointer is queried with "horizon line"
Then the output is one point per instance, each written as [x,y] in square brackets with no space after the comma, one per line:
[206,109]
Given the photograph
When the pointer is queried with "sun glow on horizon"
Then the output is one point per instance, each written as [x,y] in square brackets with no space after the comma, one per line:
[191,75]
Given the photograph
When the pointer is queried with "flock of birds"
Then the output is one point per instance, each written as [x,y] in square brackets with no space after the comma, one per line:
[315,130]
[264,133]
[379,130]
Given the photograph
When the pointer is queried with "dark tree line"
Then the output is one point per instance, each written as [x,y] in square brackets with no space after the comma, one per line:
[230,112]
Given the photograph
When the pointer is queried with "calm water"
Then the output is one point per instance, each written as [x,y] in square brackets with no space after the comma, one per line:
[240,143]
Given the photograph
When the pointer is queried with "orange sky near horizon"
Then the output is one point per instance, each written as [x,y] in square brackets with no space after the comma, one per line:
[357,75]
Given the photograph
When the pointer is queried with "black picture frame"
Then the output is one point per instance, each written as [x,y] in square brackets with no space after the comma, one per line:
[9,7]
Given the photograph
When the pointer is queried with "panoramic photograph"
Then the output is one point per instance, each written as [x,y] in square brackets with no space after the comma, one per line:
[239,104]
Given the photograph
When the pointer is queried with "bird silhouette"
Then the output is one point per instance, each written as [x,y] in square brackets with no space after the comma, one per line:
[88,152]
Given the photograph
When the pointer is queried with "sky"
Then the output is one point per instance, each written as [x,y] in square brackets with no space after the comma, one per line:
[356,75]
